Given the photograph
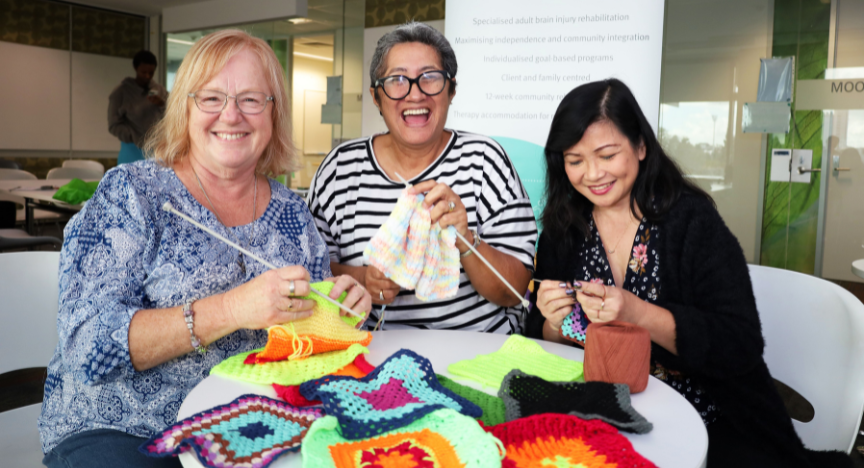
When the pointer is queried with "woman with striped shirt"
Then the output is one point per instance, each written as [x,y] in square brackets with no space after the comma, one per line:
[468,180]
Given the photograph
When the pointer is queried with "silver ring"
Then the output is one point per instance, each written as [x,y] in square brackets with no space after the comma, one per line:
[291,288]
[451,205]
[381,294]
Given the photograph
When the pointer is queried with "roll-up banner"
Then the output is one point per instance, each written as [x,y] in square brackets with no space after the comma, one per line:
[518,59]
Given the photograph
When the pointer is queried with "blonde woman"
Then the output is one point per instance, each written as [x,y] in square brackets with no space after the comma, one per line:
[132,276]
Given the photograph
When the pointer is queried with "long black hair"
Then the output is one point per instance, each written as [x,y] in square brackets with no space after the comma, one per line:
[658,184]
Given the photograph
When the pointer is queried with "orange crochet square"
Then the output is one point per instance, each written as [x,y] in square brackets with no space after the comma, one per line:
[399,450]
[568,452]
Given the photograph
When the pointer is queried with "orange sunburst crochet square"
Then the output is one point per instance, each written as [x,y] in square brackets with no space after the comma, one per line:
[565,441]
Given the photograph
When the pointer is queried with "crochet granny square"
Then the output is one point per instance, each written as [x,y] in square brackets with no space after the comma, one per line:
[401,390]
[520,353]
[251,431]
[443,438]
[286,372]
[526,395]
[563,440]
[575,325]
[492,406]
[324,331]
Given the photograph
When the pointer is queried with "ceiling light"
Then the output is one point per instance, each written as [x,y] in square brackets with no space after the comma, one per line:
[316,57]
[180,41]
[299,20]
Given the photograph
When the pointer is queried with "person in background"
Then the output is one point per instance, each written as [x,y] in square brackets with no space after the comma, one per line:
[468,179]
[637,242]
[132,275]
[135,106]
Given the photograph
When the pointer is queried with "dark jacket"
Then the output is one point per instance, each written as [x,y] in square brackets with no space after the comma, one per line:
[706,286]
[130,114]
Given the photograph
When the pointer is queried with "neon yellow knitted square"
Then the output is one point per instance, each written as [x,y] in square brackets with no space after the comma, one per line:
[520,353]
[324,331]
[287,372]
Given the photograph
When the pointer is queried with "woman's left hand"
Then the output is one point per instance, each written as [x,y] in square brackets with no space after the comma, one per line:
[603,303]
[447,209]
[358,299]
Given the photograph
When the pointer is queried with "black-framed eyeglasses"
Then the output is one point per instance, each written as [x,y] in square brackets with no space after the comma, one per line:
[397,87]
[213,102]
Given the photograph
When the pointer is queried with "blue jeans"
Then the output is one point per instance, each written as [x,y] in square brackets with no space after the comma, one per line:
[104,448]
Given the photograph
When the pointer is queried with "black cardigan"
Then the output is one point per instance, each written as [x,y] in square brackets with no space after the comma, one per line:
[706,286]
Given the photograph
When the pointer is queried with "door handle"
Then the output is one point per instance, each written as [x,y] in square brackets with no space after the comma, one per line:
[837,167]
[801,170]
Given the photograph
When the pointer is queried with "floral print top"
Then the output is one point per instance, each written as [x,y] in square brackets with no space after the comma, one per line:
[123,253]
[643,279]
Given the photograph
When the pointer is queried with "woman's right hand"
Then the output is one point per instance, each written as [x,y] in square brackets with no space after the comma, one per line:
[380,286]
[555,301]
[267,300]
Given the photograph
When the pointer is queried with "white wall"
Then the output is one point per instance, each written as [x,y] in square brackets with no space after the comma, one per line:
[308,74]
[850,33]
[372,121]
[94,77]
[38,104]
[34,92]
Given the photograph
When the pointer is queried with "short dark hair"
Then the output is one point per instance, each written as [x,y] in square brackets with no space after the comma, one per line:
[143,56]
[413,32]
[658,184]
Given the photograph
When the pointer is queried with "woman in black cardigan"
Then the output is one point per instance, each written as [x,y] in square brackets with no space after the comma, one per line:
[635,241]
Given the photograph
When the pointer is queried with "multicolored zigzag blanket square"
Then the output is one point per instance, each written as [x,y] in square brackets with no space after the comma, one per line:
[249,432]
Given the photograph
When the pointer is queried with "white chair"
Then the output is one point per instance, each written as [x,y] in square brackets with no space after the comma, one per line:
[15,174]
[29,295]
[74,173]
[85,164]
[814,343]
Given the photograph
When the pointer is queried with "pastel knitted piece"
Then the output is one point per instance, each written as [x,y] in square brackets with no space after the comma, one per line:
[286,372]
[440,278]
[575,325]
[413,253]
[324,331]
[520,353]
[526,395]
[251,431]
[443,438]
[400,390]
[291,393]
[561,440]
[492,406]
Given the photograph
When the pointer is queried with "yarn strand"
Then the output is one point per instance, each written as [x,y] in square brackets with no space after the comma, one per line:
[170,208]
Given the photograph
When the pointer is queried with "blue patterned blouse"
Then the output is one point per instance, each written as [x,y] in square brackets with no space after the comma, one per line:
[123,253]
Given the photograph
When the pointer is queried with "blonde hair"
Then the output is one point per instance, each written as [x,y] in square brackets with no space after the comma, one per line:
[168,142]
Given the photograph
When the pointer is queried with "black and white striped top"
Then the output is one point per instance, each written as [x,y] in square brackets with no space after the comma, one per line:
[350,198]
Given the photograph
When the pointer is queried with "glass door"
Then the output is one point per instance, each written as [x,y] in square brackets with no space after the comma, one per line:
[844,207]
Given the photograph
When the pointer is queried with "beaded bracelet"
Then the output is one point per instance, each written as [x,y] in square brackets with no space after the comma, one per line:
[188,315]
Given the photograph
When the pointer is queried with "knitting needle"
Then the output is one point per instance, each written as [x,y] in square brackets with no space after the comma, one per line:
[524,301]
[169,208]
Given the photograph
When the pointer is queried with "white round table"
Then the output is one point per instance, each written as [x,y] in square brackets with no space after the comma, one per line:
[858,267]
[678,440]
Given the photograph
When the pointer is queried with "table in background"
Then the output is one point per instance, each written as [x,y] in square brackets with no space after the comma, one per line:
[35,197]
[678,440]
[858,267]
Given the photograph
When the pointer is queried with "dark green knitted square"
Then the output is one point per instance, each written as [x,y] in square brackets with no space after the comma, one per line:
[492,406]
